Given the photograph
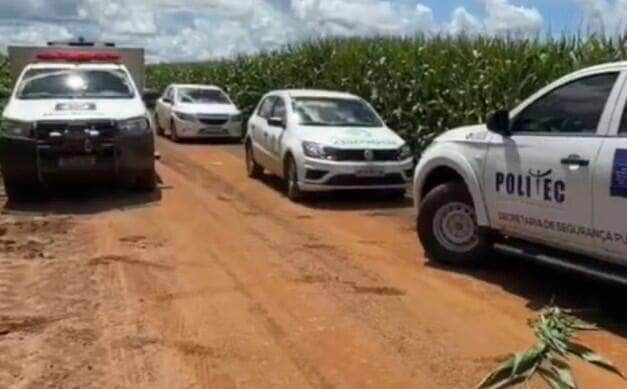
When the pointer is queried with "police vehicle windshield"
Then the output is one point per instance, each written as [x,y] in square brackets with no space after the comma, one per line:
[74,84]
[335,112]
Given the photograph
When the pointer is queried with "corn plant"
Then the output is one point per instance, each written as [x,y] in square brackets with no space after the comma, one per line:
[555,330]
[421,86]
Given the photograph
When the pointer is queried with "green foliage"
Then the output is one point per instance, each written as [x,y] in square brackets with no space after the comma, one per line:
[420,86]
[555,330]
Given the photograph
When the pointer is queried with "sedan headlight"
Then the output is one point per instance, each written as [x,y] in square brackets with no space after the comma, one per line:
[139,124]
[186,117]
[405,153]
[12,127]
[316,150]
[237,117]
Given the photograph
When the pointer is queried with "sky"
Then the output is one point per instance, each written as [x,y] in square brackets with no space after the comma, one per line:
[192,30]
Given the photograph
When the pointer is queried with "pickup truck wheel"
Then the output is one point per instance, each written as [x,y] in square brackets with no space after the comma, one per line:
[18,191]
[147,182]
[253,169]
[293,190]
[447,226]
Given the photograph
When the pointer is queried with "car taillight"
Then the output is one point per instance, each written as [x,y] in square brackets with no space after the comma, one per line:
[78,56]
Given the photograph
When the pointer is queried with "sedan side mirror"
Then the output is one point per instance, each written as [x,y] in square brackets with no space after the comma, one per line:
[150,98]
[167,100]
[498,122]
[276,121]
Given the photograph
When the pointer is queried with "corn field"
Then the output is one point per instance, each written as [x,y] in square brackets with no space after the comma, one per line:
[420,86]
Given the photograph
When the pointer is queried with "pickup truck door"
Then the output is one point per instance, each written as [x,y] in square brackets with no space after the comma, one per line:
[538,181]
[610,192]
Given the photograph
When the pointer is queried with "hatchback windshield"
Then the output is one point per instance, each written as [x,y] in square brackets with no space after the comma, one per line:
[198,96]
[73,83]
[316,111]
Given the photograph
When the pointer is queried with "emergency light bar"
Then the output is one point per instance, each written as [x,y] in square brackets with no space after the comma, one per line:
[78,56]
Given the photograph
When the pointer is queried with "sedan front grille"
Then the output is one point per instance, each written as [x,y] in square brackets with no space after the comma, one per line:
[213,120]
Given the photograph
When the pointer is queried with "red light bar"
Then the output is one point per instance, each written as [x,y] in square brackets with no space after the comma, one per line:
[78,56]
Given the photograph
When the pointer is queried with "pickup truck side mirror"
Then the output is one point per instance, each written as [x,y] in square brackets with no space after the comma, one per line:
[276,121]
[498,122]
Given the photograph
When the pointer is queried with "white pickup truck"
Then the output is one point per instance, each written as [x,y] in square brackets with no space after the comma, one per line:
[75,113]
[547,180]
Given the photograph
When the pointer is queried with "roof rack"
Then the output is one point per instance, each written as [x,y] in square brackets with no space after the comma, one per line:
[81,42]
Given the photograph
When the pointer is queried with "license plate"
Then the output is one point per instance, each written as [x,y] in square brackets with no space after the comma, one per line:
[370,171]
[212,130]
[77,162]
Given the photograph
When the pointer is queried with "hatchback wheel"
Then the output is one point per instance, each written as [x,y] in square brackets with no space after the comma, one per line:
[253,169]
[293,190]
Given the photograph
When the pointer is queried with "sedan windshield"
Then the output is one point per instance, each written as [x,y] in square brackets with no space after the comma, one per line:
[199,96]
[340,112]
[75,83]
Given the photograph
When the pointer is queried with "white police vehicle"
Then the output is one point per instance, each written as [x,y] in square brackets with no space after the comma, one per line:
[323,141]
[547,181]
[197,111]
[75,113]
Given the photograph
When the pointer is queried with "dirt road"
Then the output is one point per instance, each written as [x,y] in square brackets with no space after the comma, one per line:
[218,281]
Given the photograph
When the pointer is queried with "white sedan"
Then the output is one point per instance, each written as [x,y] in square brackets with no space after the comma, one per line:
[323,141]
[197,111]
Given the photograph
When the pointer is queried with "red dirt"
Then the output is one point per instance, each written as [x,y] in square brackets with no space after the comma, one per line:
[220,282]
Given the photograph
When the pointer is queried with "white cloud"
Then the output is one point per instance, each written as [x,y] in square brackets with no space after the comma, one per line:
[187,30]
[504,18]
[604,17]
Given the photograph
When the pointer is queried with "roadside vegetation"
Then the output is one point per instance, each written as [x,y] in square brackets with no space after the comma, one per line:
[549,359]
[421,86]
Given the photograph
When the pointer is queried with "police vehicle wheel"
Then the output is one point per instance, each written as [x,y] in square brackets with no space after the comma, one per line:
[146,182]
[18,191]
[447,226]
[253,169]
[173,134]
[293,190]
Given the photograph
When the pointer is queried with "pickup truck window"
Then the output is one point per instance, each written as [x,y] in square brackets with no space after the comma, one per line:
[62,83]
[574,108]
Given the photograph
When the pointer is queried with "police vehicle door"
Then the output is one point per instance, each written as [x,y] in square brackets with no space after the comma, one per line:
[610,190]
[538,181]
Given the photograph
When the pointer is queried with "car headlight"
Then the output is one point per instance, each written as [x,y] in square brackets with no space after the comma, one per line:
[139,124]
[16,128]
[186,117]
[405,153]
[237,117]
[316,150]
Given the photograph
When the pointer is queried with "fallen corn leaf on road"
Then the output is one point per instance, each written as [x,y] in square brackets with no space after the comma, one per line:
[218,281]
